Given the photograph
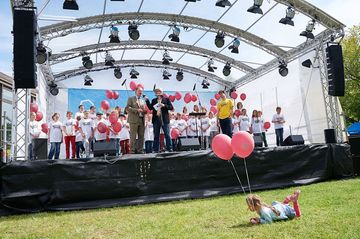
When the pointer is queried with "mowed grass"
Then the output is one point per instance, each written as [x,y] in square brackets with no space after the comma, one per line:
[330,210]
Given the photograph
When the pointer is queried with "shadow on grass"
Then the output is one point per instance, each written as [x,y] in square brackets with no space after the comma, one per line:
[242,225]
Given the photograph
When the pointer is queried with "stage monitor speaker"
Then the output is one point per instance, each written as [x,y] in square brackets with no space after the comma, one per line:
[258,141]
[330,137]
[354,141]
[356,164]
[186,144]
[40,148]
[24,30]
[102,148]
[293,140]
[335,67]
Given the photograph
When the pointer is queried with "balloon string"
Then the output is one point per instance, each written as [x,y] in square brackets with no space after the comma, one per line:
[247,175]
[237,176]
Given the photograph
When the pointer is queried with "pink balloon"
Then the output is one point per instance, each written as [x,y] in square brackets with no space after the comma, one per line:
[267,125]
[133,85]
[109,94]
[117,127]
[172,98]
[213,102]
[243,96]
[237,113]
[193,98]
[39,116]
[234,95]
[101,127]
[178,95]
[174,133]
[140,85]
[105,105]
[115,95]
[34,108]
[44,128]
[242,144]
[213,110]
[217,96]
[113,118]
[166,95]
[221,146]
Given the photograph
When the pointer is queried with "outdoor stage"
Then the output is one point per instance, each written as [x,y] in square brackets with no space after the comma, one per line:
[136,179]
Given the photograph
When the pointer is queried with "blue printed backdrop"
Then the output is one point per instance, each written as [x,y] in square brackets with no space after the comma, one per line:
[94,97]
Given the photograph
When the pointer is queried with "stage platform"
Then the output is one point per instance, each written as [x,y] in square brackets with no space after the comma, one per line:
[43,185]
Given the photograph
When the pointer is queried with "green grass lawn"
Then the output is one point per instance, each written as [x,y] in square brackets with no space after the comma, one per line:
[330,210]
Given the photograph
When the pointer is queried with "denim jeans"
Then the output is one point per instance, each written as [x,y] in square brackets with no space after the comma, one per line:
[79,146]
[263,134]
[166,129]
[226,126]
[30,152]
[148,146]
[54,149]
[279,136]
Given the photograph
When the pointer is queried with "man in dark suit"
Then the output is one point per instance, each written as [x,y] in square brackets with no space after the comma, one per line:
[136,113]
[160,107]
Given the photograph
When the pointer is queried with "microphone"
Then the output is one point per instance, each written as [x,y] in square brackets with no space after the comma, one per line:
[123,82]
[194,87]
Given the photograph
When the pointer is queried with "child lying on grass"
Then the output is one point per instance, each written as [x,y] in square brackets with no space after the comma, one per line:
[277,210]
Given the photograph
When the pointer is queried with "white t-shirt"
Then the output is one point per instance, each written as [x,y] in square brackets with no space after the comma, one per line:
[181,126]
[79,114]
[205,123]
[55,132]
[213,125]
[86,125]
[70,126]
[149,131]
[125,131]
[34,128]
[192,122]
[173,124]
[278,117]
[92,116]
[97,135]
[235,123]
[244,123]
[257,125]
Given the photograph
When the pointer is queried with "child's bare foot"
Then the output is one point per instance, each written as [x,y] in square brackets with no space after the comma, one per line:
[295,196]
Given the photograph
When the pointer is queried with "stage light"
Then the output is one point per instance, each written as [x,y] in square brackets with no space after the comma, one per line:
[290,13]
[117,73]
[166,75]
[235,46]
[109,60]
[211,66]
[227,69]
[114,35]
[53,89]
[166,58]
[219,39]
[205,84]
[191,0]
[88,80]
[283,70]
[134,73]
[134,33]
[70,5]
[175,35]
[41,54]
[87,62]
[308,31]
[307,63]
[223,3]
[179,75]
[256,7]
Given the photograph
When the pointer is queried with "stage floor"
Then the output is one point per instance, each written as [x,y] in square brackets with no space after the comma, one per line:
[35,186]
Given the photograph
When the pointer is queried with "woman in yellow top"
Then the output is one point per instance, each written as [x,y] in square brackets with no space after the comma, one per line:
[225,110]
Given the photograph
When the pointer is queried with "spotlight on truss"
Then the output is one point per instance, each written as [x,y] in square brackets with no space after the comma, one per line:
[166,58]
[54,90]
[175,35]
[88,80]
[307,63]
[70,5]
[87,62]
[134,33]
[179,75]
[287,20]
[235,46]
[166,75]
[109,60]
[256,7]
[117,72]
[283,70]
[308,31]
[227,69]
[205,84]
[219,39]
[211,66]
[134,73]
[223,3]
[41,54]
[114,34]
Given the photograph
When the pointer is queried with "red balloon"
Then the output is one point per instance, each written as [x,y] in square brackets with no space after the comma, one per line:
[243,96]
[213,109]
[34,108]
[213,102]
[109,94]
[133,85]
[101,127]
[166,95]
[234,95]
[115,95]
[178,95]
[242,144]
[172,98]
[217,96]
[193,98]
[44,128]
[76,125]
[140,85]
[187,98]
[39,116]
[221,146]
[175,133]
[237,113]
[105,105]
[267,125]
[113,118]
[117,127]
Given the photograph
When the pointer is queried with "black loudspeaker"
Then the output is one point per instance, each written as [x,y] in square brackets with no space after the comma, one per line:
[102,148]
[258,141]
[330,137]
[356,163]
[335,67]
[354,141]
[24,29]
[293,140]
[40,148]
[186,144]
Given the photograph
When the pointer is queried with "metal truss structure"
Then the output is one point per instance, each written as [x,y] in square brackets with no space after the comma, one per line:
[145,44]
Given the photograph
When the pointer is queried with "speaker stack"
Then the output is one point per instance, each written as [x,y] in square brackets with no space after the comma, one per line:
[335,67]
